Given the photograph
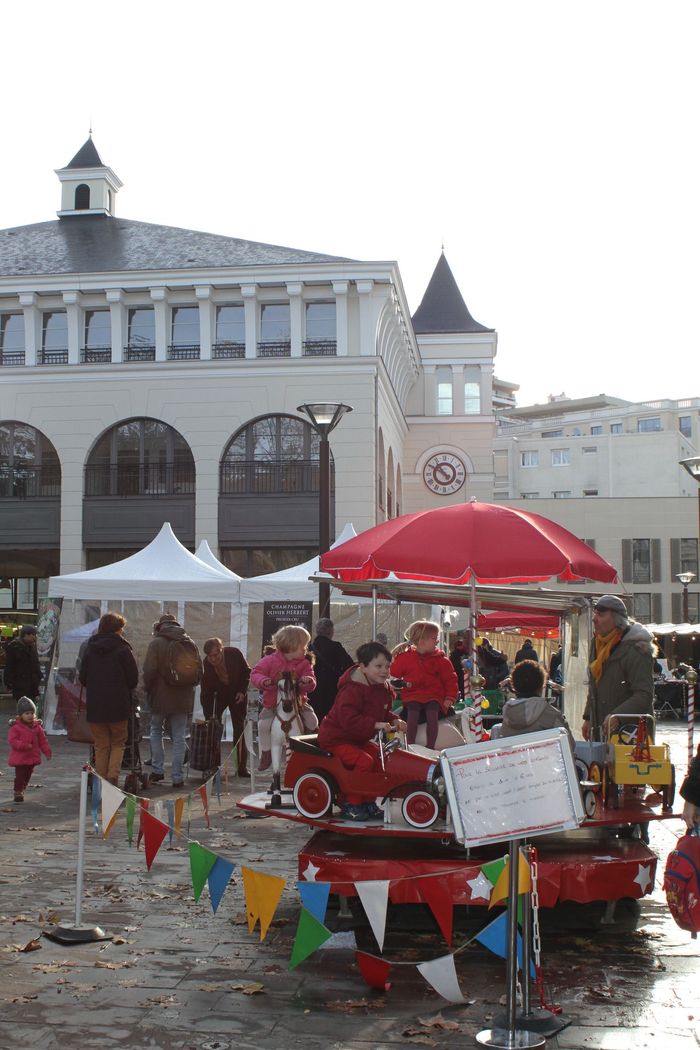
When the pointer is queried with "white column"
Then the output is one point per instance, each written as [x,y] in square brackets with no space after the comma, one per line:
[250,304]
[160,305]
[72,510]
[457,389]
[367,346]
[32,327]
[206,321]
[72,303]
[295,306]
[206,509]
[429,390]
[117,319]
[340,290]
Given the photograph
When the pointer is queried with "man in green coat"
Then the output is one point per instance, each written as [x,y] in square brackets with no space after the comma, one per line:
[620,674]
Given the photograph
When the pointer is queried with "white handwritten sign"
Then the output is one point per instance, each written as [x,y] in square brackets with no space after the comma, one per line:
[512,788]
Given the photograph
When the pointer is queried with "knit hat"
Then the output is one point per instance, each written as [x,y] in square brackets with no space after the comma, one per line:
[611,603]
[25,706]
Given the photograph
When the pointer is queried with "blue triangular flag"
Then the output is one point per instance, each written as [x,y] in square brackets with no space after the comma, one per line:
[495,938]
[217,880]
[314,897]
[96,797]
[171,819]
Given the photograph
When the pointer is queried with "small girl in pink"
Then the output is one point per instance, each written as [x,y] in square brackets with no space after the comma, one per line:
[290,655]
[26,739]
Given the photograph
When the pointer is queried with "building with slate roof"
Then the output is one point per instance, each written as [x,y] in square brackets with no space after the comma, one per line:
[150,373]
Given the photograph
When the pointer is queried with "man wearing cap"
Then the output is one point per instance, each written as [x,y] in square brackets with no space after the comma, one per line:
[620,673]
[22,671]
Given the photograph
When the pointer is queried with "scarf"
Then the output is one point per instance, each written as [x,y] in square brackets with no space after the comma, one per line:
[604,645]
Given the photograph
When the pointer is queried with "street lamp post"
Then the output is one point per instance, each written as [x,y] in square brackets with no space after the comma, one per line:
[692,465]
[685,578]
[324,418]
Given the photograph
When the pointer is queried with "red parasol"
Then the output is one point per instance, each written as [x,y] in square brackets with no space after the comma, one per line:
[485,542]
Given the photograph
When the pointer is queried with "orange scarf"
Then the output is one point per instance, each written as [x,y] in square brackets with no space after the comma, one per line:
[604,645]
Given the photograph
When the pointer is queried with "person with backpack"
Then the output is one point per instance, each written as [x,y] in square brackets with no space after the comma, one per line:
[171,670]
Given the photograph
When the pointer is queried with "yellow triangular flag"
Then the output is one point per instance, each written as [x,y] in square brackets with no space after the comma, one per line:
[262,894]
[500,890]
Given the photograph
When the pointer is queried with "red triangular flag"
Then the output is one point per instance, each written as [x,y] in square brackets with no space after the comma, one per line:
[375,971]
[435,894]
[154,831]
[143,805]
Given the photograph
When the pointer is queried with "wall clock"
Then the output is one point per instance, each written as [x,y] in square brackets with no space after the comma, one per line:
[444,473]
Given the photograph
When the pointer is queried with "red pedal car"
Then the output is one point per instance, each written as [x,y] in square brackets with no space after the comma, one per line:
[317,778]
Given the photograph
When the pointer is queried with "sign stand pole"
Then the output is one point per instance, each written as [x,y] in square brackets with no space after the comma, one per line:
[77,934]
[510,1037]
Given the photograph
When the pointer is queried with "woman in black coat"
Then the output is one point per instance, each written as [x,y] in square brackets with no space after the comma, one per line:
[109,673]
[224,685]
[331,661]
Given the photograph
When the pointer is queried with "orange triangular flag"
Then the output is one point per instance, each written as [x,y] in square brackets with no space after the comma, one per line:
[154,831]
[500,890]
[179,810]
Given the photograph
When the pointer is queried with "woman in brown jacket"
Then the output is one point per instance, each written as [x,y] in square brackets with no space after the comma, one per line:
[225,685]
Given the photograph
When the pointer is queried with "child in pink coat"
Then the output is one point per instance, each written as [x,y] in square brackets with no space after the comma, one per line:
[290,656]
[26,739]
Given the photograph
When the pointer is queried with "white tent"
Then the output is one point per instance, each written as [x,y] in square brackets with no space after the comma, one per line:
[205,554]
[293,583]
[162,571]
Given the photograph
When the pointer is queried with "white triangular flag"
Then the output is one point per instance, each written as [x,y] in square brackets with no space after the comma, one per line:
[441,974]
[112,799]
[374,896]
[158,812]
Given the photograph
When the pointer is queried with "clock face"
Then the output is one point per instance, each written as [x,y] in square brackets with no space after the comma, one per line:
[444,473]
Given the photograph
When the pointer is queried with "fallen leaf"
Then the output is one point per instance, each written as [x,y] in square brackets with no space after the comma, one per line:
[209,987]
[22,918]
[439,1022]
[117,939]
[346,1005]
[159,1000]
[252,988]
[111,965]
[53,967]
[21,999]
[32,946]
[239,919]
[416,1036]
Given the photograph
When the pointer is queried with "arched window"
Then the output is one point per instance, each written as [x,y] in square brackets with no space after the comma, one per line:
[140,457]
[271,455]
[82,197]
[29,463]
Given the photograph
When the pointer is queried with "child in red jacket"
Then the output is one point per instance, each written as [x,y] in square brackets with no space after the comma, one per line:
[433,684]
[26,739]
[362,706]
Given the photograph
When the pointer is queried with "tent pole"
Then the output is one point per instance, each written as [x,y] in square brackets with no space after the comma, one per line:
[374,611]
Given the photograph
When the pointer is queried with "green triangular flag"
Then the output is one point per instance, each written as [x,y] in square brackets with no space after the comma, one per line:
[493,869]
[201,862]
[311,934]
[130,814]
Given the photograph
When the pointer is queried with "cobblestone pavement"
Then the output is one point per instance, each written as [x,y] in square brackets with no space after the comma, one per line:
[178,976]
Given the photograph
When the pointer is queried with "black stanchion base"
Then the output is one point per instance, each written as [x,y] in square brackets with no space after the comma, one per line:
[504,1039]
[542,1021]
[76,934]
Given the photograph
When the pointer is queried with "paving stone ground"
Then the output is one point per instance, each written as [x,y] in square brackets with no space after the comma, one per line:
[177,982]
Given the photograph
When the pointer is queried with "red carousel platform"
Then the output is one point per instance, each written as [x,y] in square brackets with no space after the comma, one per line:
[599,861]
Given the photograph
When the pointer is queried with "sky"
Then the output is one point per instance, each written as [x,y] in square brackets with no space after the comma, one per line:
[552,147]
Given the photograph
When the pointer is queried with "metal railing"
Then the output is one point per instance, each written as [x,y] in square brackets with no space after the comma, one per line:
[320,348]
[258,476]
[11,358]
[54,357]
[227,351]
[183,352]
[145,480]
[29,482]
[279,349]
[96,355]
[139,353]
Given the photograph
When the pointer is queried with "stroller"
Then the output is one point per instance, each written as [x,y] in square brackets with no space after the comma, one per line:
[131,759]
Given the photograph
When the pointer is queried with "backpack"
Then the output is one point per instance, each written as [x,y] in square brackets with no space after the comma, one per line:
[682,882]
[183,668]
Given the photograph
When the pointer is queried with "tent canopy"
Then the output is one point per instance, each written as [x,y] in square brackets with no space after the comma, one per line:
[206,554]
[163,571]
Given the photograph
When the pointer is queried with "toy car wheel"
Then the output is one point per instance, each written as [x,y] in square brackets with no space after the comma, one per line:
[313,795]
[670,792]
[581,769]
[589,803]
[595,773]
[420,809]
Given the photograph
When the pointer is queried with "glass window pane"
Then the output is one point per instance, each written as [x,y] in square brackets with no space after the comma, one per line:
[472,399]
[185,327]
[98,329]
[641,561]
[689,556]
[274,323]
[11,331]
[24,443]
[649,425]
[142,326]
[230,324]
[642,608]
[55,333]
[685,426]
[320,321]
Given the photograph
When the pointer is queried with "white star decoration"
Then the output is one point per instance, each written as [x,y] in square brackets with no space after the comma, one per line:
[480,887]
[310,872]
[643,877]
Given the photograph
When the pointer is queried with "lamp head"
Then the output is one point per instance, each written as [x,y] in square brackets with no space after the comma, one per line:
[685,577]
[692,465]
[324,417]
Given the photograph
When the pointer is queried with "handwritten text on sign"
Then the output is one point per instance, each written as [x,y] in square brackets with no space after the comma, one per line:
[513,792]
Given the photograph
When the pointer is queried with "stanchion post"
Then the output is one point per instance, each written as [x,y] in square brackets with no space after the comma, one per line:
[691,677]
